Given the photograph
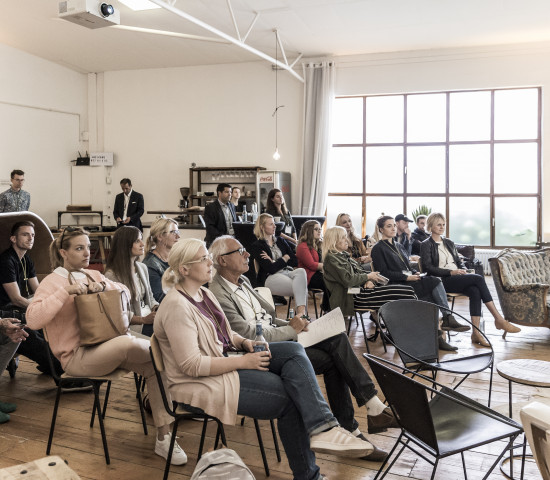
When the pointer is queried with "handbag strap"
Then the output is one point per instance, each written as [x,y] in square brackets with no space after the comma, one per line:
[99,299]
[72,280]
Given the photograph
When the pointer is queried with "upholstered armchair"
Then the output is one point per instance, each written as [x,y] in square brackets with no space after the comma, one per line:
[522,280]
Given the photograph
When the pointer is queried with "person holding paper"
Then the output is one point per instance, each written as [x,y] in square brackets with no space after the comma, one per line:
[333,357]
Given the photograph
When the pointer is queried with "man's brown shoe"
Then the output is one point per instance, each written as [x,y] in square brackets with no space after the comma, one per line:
[380,423]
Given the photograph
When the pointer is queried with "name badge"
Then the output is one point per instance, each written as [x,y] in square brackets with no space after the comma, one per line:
[288,229]
[407,272]
[354,290]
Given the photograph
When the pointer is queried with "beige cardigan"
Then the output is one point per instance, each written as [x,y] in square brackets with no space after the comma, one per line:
[188,340]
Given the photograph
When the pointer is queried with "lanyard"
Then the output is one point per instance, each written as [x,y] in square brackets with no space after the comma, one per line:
[396,250]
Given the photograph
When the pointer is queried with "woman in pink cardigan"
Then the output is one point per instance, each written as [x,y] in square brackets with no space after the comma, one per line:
[309,258]
[211,367]
[53,308]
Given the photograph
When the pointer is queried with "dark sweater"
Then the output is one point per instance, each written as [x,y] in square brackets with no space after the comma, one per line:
[267,267]
[417,237]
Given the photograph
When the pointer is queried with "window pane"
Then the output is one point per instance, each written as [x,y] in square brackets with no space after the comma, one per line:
[385,119]
[342,162]
[347,120]
[384,167]
[350,205]
[469,169]
[426,169]
[516,169]
[437,204]
[469,220]
[516,114]
[470,116]
[516,221]
[377,206]
[426,118]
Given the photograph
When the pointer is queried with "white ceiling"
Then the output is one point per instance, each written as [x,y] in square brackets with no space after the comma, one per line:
[312,27]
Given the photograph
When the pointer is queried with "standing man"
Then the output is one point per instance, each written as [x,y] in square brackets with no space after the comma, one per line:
[333,358]
[129,206]
[15,199]
[404,232]
[219,215]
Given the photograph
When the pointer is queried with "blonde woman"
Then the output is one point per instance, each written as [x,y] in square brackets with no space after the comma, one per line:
[53,308]
[198,347]
[342,272]
[440,258]
[162,237]
[355,246]
[277,263]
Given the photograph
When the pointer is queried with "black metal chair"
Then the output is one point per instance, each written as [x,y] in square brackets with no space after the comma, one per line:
[96,382]
[413,329]
[447,424]
[179,412]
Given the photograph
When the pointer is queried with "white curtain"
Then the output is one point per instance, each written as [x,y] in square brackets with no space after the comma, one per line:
[318,98]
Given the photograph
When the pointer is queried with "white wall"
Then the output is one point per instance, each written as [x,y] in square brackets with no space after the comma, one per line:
[159,121]
[437,70]
[42,111]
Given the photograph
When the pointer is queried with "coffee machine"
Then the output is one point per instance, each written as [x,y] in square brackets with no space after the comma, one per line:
[184,205]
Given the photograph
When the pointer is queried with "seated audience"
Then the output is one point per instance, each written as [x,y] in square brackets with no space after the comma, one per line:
[342,272]
[123,267]
[220,214]
[356,248]
[53,308]
[275,206]
[18,282]
[440,258]
[198,343]
[419,234]
[11,335]
[403,236]
[333,357]
[276,262]
[163,235]
[391,259]
[373,239]
[309,257]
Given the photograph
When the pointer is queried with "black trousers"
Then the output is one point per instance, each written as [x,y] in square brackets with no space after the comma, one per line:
[471,285]
[318,282]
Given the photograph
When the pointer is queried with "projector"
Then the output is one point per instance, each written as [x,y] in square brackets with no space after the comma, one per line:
[89,13]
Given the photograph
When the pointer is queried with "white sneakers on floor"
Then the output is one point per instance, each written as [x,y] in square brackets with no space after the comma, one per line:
[178,455]
[338,441]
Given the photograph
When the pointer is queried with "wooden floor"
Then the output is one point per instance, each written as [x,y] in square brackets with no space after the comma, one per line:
[24,438]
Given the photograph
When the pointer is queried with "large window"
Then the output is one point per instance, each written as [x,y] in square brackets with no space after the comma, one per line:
[473,155]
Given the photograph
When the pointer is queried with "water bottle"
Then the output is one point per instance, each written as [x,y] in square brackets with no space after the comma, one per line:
[259,345]
[291,314]
[245,214]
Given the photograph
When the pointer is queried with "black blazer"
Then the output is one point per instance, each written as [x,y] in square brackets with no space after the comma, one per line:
[215,221]
[267,267]
[135,209]
[389,263]
[430,257]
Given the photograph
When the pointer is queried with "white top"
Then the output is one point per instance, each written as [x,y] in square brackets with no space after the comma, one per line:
[446,260]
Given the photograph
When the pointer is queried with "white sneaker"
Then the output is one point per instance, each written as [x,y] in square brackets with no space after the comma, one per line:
[178,455]
[338,441]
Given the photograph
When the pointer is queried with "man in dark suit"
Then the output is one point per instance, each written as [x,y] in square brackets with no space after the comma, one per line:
[219,215]
[128,206]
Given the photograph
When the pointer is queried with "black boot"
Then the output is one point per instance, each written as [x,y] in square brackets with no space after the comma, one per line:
[443,345]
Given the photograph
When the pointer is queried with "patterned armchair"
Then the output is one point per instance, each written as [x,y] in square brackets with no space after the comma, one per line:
[522,280]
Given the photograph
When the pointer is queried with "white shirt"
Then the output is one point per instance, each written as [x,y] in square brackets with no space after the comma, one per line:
[126,203]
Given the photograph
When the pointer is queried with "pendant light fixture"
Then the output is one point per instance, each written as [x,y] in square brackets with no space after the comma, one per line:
[276,155]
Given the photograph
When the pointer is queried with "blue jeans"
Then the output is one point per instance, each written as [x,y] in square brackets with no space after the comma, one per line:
[342,371]
[290,393]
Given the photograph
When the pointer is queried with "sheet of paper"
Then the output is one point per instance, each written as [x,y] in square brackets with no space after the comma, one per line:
[325,327]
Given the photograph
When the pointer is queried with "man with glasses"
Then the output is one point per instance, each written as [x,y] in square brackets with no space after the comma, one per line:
[129,206]
[15,199]
[219,215]
[333,358]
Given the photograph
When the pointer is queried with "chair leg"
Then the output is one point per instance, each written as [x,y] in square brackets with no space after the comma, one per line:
[138,380]
[96,386]
[435,468]
[364,332]
[314,297]
[99,414]
[275,440]
[54,417]
[261,445]
[242,421]
[171,449]
[464,466]
[490,383]
[203,435]
[386,461]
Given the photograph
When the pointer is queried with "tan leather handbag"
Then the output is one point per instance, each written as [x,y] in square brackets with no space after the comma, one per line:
[101,315]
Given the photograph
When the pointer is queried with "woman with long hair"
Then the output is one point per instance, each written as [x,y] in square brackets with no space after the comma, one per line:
[440,258]
[275,206]
[206,368]
[123,267]
[53,308]
[276,264]
[163,235]
[355,246]
[309,256]
[392,260]
[342,272]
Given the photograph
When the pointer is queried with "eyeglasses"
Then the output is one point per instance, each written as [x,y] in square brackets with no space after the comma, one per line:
[173,232]
[203,259]
[66,229]
[240,250]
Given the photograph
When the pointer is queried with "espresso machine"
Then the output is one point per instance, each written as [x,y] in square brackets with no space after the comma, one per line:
[184,205]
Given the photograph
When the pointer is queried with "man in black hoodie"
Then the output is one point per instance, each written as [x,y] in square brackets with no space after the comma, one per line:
[419,234]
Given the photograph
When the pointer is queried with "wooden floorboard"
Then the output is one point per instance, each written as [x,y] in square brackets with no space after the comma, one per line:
[24,438]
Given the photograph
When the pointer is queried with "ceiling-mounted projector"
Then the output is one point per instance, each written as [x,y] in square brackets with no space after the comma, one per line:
[89,13]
